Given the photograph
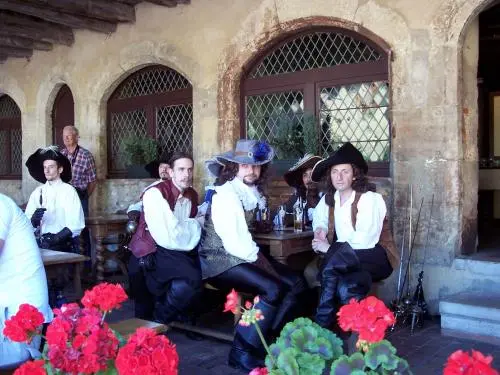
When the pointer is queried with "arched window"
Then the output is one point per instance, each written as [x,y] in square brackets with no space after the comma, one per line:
[63,114]
[10,139]
[155,102]
[330,85]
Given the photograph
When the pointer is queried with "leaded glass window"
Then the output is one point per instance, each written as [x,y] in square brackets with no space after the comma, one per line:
[154,102]
[10,138]
[333,81]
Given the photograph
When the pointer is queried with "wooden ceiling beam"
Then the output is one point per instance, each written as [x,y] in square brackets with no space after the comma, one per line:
[77,22]
[21,42]
[131,2]
[100,9]
[15,51]
[31,28]
[166,3]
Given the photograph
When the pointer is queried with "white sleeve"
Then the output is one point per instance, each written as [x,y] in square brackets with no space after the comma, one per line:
[369,221]
[230,224]
[5,219]
[31,206]
[75,219]
[320,215]
[168,231]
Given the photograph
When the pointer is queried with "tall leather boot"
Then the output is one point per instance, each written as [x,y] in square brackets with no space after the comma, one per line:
[246,351]
[288,308]
[177,300]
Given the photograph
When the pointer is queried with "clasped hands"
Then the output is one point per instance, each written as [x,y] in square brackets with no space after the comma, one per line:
[320,244]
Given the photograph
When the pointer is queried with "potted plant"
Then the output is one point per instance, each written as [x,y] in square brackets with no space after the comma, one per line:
[137,152]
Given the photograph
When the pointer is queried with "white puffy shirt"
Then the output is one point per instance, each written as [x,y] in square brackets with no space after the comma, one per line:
[63,205]
[369,220]
[229,221]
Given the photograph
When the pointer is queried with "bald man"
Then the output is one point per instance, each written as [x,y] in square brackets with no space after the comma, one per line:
[82,166]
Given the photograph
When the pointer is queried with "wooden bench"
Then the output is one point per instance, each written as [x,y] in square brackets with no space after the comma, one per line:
[128,327]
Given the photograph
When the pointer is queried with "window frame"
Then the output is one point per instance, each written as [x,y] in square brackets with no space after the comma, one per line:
[311,81]
[148,103]
[11,123]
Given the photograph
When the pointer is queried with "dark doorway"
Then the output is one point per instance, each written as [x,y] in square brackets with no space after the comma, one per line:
[63,114]
[489,132]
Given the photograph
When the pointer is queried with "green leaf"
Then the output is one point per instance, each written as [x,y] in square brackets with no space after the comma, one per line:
[121,340]
[381,354]
[402,367]
[287,363]
[48,367]
[344,365]
[310,364]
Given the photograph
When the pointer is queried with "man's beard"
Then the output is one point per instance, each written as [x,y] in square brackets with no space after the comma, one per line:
[252,182]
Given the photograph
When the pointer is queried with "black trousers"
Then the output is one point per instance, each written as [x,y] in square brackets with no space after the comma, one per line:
[346,273]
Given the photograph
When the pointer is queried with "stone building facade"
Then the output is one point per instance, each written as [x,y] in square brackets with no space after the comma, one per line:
[432,54]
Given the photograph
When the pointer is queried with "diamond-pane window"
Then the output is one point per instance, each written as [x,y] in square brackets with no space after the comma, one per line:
[317,90]
[174,130]
[123,125]
[266,113]
[153,81]
[155,102]
[10,138]
[357,113]
[8,108]
[313,51]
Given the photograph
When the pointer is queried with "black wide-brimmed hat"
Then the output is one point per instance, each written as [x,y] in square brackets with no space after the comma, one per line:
[35,163]
[152,167]
[347,154]
[214,167]
[293,176]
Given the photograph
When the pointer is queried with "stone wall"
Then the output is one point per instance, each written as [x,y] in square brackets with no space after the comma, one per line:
[433,49]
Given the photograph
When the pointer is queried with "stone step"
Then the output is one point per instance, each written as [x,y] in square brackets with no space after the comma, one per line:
[474,314]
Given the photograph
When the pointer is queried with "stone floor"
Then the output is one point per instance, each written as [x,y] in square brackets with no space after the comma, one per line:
[426,350]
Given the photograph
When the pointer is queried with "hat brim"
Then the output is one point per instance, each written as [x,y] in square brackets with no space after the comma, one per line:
[243,159]
[35,166]
[347,154]
[293,177]
[152,168]
[214,167]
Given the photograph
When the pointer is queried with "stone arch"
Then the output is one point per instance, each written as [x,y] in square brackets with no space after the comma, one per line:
[453,22]
[228,95]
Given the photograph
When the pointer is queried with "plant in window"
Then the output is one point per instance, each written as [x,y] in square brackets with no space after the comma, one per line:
[288,138]
[310,134]
[139,150]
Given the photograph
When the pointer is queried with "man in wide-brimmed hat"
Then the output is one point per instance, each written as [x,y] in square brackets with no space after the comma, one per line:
[306,191]
[230,258]
[353,213]
[54,208]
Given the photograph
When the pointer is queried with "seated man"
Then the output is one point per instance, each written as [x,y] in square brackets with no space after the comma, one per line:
[354,213]
[306,191]
[165,263]
[54,208]
[231,259]
[22,279]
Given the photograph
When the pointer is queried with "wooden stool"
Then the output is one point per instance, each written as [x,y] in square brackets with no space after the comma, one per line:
[127,327]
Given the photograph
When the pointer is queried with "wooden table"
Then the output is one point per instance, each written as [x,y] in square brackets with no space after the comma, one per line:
[284,243]
[52,259]
[100,227]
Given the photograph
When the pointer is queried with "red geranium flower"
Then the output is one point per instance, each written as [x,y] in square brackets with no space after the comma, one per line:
[104,297]
[24,324]
[369,317]
[461,362]
[147,353]
[259,371]
[232,302]
[31,368]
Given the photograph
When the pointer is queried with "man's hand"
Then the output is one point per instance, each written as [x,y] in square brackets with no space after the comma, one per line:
[320,246]
[36,218]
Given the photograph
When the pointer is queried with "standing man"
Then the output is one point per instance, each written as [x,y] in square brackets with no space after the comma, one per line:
[231,259]
[354,212]
[22,280]
[164,245]
[54,207]
[82,165]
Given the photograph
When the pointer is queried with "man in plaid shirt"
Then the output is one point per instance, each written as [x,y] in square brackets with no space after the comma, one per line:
[82,165]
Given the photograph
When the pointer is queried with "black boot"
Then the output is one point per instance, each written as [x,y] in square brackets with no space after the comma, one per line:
[246,351]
